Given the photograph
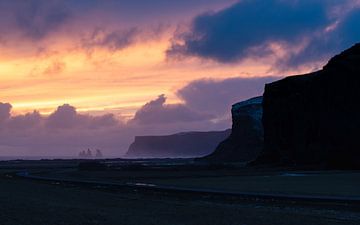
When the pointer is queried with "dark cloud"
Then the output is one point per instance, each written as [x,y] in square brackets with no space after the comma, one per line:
[66,117]
[64,132]
[104,121]
[348,31]
[160,5]
[114,40]
[140,11]
[156,111]
[248,27]
[204,100]
[230,34]
[324,45]
[37,18]
[5,109]
[27,121]
[34,24]
[217,96]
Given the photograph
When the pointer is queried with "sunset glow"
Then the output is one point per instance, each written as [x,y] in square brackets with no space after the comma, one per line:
[105,79]
[183,62]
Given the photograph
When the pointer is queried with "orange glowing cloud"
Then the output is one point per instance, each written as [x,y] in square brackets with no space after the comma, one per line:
[114,67]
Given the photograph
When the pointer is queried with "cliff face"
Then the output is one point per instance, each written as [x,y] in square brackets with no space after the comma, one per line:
[314,118]
[189,144]
[246,139]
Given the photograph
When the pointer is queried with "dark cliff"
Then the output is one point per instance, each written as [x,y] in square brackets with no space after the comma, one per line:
[246,139]
[188,144]
[314,119]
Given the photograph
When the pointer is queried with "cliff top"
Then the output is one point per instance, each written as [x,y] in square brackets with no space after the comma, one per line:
[251,101]
[347,58]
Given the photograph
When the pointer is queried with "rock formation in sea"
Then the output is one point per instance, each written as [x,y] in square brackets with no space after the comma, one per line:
[246,139]
[187,144]
[313,119]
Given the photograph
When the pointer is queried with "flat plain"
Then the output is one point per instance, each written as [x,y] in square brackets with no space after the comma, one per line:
[29,201]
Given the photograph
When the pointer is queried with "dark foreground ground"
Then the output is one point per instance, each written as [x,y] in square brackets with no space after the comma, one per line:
[26,201]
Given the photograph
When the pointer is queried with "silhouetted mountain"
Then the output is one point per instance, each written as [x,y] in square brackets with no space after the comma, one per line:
[314,118]
[246,139]
[187,144]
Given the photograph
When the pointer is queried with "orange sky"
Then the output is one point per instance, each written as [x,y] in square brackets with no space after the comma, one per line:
[44,72]
[104,80]
[134,60]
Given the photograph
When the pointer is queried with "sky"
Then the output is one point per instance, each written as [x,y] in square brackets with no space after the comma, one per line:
[78,74]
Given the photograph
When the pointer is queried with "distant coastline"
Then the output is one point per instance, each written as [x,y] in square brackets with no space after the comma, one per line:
[7,158]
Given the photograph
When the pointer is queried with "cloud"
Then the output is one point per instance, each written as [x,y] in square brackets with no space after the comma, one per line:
[36,19]
[5,109]
[217,96]
[140,11]
[248,29]
[156,111]
[66,117]
[205,106]
[114,40]
[205,101]
[78,26]
[56,67]
[63,132]
[337,37]
[230,34]
[27,121]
